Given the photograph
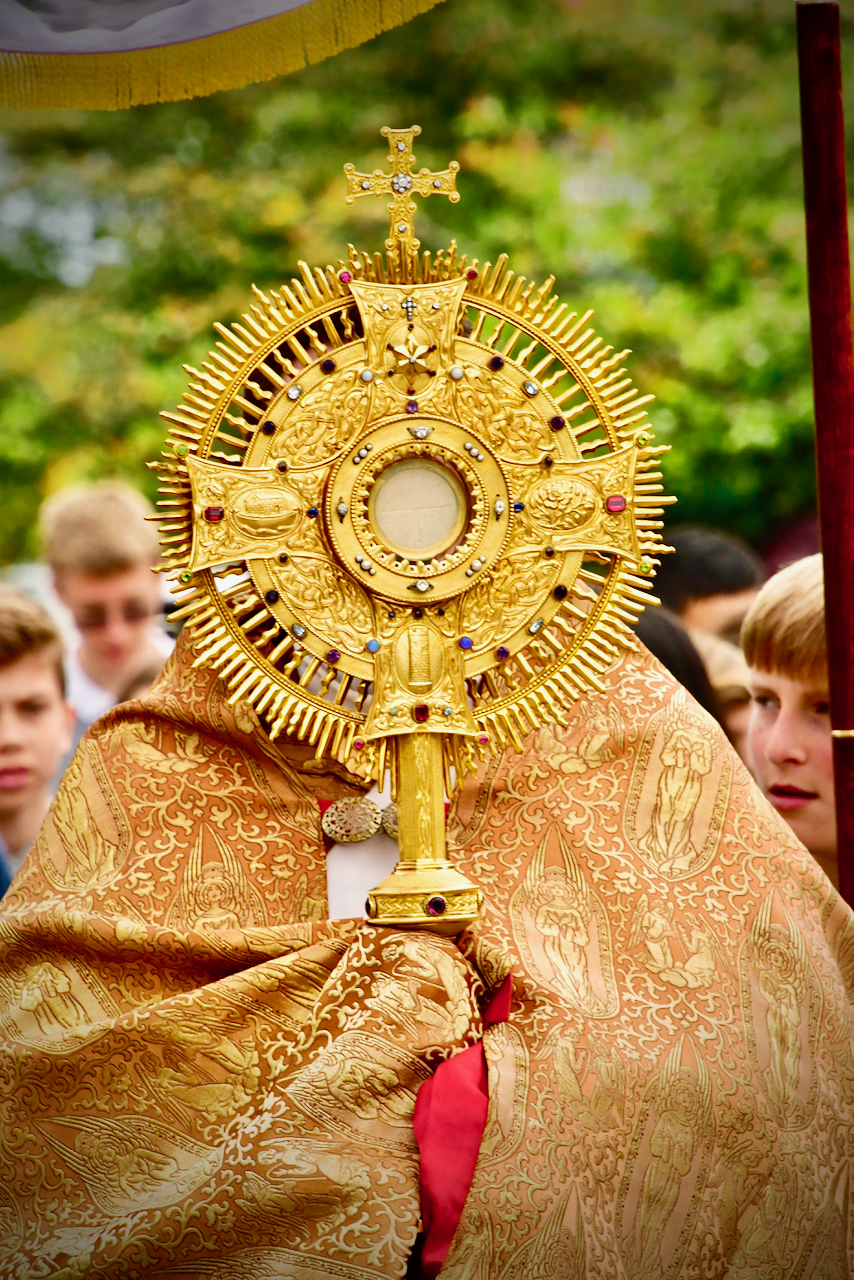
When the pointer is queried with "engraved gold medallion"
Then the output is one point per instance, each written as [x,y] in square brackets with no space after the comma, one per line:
[352,819]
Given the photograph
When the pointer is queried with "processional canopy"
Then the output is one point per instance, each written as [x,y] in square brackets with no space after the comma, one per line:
[411,509]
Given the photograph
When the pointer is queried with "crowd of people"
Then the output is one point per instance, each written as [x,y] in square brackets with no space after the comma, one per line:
[751,652]
[101,547]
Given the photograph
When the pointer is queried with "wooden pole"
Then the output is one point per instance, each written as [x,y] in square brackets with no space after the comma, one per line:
[833,381]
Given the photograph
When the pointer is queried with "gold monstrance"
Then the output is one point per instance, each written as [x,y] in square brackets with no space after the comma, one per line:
[410,506]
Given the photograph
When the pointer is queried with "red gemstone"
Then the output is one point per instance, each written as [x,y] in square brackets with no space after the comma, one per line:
[345,277]
[420,713]
[436,906]
[483,739]
[471,274]
[615,504]
[214,514]
[359,743]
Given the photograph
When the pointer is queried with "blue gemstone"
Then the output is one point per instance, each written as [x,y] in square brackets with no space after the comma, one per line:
[313,512]
[373,646]
[465,642]
[517,506]
[298,630]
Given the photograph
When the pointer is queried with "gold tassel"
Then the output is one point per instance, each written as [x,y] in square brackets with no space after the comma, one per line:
[195,68]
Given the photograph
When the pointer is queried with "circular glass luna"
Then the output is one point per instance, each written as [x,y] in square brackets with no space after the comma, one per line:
[418,508]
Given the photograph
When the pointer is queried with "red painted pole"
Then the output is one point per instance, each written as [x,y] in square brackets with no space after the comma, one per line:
[833,381]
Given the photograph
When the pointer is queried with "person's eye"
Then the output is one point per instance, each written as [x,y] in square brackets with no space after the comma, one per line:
[34,707]
[765,700]
[822,707]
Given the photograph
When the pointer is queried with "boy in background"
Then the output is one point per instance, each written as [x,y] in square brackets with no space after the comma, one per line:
[35,724]
[789,739]
[101,549]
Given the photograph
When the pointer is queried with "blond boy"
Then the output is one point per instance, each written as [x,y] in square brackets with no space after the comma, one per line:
[101,548]
[789,741]
[35,724]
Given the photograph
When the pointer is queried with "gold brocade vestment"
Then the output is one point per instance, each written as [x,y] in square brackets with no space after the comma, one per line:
[204,1077]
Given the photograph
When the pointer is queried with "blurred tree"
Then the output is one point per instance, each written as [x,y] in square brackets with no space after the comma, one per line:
[646,153]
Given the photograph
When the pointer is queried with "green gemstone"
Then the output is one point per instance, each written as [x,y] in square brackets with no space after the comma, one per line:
[186,576]
[643,438]
[182,450]
[646,566]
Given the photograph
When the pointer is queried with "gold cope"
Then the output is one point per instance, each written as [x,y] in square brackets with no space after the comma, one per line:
[411,507]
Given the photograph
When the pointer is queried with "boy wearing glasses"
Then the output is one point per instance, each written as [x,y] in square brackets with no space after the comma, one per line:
[35,724]
[101,550]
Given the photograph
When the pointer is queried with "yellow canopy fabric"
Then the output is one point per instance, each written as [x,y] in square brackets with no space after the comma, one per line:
[165,54]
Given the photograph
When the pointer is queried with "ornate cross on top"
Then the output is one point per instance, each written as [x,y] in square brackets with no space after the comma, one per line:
[401,184]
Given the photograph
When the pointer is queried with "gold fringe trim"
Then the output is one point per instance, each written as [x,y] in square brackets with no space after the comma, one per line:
[259,51]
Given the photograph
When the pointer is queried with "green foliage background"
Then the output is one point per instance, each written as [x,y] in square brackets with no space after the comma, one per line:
[646,152]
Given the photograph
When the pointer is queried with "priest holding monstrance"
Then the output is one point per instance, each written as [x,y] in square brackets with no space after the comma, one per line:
[596,1022]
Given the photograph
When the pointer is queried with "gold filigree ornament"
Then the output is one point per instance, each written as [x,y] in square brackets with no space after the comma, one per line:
[352,820]
[411,509]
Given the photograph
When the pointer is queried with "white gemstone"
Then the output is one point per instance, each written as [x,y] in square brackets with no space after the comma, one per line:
[469,573]
[342,509]
[366,565]
[358,559]
[366,186]
[422,585]
[530,388]
[401,226]
[437,183]
[401,146]
[437,306]
[384,306]
[295,392]
[476,564]
[366,375]
[499,508]
[372,572]
[456,373]
[368,448]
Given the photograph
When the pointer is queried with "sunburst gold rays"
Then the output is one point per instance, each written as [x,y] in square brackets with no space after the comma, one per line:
[561,351]
[264,352]
[569,657]
[235,635]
